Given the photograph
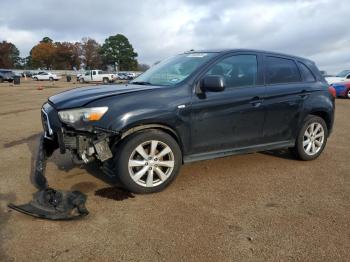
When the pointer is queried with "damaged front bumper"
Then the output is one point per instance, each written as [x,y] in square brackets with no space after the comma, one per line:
[85,144]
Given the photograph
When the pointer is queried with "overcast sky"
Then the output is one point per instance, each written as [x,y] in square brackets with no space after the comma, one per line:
[319,30]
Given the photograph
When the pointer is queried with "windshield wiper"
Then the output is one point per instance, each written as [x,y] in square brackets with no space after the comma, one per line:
[140,83]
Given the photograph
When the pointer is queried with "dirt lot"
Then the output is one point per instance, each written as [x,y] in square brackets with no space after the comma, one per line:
[256,207]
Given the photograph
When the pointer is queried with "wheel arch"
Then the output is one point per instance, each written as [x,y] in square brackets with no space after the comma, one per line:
[325,116]
[166,129]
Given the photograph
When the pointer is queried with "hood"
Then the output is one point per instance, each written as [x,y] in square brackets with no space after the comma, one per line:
[78,97]
[334,79]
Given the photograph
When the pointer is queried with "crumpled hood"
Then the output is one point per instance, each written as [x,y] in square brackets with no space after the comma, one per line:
[81,96]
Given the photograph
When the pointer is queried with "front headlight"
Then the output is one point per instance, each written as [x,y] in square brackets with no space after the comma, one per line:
[82,114]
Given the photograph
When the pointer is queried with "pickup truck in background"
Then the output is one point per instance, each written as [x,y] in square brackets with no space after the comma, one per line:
[97,76]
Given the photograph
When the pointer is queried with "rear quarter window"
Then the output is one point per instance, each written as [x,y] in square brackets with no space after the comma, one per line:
[306,73]
[281,70]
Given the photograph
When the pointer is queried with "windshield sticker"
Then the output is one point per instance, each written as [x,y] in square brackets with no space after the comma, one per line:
[197,55]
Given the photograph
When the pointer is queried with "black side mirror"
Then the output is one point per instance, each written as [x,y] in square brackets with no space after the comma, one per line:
[213,83]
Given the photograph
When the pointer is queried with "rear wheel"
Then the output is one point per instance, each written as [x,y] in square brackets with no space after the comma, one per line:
[312,138]
[1,80]
[51,79]
[147,161]
[105,80]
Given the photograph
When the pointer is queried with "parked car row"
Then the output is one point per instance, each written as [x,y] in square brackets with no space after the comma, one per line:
[101,76]
[341,83]
[87,76]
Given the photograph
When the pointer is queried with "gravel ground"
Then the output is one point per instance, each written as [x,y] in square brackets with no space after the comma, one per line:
[255,207]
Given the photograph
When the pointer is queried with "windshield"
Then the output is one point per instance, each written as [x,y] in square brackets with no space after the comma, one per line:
[343,73]
[173,70]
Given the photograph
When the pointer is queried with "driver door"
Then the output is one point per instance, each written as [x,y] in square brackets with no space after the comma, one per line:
[232,118]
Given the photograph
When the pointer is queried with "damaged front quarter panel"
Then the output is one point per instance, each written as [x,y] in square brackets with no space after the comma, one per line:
[87,146]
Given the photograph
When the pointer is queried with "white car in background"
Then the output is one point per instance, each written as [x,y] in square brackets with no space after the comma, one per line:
[341,77]
[45,76]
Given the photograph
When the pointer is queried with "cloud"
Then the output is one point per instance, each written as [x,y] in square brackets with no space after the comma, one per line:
[313,29]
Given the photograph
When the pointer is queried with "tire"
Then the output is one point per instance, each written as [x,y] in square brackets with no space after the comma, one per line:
[1,80]
[36,79]
[153,175]
[105,80]
[50,79]
[81,80]
[347,94]
[314,126]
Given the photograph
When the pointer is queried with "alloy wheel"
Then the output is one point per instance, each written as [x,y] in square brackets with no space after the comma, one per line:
[151,163]
[313,138]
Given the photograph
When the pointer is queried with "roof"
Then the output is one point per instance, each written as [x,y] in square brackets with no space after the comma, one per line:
[246,50]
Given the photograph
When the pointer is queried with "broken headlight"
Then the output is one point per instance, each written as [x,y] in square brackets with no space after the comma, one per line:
[82,114]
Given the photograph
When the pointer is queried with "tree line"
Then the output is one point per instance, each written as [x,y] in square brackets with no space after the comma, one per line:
[116,52]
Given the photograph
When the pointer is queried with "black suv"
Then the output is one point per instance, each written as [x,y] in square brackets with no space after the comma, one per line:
[194,106]
[6,75]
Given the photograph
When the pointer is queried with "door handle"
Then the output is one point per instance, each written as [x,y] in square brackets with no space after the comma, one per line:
[256,101]
[304,94]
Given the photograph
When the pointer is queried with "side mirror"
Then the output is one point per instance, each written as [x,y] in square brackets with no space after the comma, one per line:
[213,83]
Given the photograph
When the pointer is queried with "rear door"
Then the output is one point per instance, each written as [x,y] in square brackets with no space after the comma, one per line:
[234,117]
[283,98]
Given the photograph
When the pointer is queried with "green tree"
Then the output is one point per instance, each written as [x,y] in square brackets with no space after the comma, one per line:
[46,39]
[9,55]
[117,49]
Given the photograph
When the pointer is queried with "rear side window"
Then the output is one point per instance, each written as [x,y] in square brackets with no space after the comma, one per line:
[306,73]
[281,70]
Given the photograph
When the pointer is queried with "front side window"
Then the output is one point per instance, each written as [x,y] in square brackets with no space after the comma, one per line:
[306,73]
[237,70]
[281,70]
[173,70]
[87,73]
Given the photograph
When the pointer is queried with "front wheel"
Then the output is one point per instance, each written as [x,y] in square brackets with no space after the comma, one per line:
[147,161]
[312,138]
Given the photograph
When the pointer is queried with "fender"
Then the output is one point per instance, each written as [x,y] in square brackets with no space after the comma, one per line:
[169,109]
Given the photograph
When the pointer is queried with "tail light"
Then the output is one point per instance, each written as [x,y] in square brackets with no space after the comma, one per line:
[332,91]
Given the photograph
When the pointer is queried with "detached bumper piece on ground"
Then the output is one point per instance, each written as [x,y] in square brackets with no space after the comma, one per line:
[49,203]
